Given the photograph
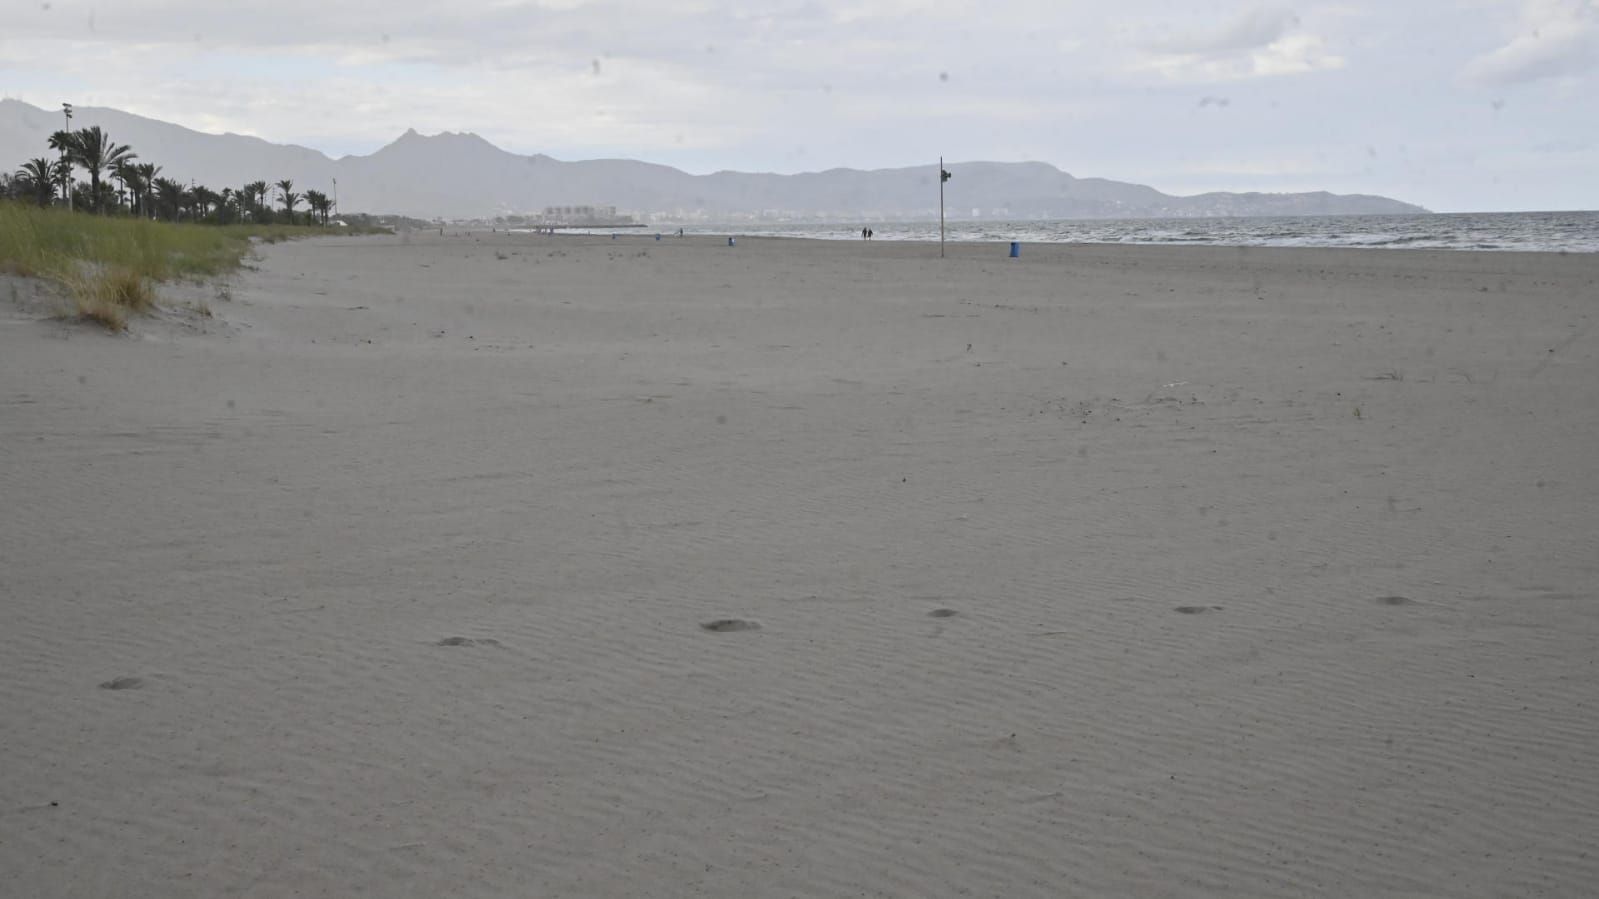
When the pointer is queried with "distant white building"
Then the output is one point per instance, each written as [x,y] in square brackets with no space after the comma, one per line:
[578,215]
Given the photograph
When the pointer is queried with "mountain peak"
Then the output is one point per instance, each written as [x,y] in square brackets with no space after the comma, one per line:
[411,134]
[442,142]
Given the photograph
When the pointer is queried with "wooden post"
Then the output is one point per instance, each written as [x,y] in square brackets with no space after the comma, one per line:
[942,177]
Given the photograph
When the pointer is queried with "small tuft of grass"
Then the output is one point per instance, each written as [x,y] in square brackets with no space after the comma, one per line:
[125,289]
[106,296]
[112,318]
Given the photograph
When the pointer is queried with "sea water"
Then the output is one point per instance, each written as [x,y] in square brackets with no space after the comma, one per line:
[1570,232]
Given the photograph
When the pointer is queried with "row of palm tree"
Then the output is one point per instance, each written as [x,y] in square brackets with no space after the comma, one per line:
[140,190]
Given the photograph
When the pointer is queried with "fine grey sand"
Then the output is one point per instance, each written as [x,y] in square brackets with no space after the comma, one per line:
[559,566]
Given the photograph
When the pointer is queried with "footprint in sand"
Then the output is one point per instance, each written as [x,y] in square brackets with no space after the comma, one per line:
[123,683]
[943,613]
[729,625]
[1198,610]
[1394,600]
[466,641]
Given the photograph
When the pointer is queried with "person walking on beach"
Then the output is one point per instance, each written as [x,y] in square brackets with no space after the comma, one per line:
[864,232]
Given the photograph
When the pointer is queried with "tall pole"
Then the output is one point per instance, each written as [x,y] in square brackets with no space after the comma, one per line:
[942,177]
[335,196]
[66,110]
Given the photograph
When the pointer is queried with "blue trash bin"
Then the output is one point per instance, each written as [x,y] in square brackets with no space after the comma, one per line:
[1015,249]
[657,235]
[730,242]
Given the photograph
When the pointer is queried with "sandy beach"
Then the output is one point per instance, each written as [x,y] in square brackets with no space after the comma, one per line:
[516,565]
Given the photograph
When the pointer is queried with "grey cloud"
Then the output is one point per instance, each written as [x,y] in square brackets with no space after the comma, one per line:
[466,33]
[1533,60]
[1559,38]
[1248,30]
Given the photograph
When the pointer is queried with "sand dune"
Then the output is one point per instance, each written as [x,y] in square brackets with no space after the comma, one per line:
[509,565]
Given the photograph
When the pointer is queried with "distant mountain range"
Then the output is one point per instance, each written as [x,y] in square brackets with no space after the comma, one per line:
[457,176]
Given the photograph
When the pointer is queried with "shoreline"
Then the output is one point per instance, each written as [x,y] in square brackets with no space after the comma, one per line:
[1056,251]
[1575,232]
[1004,242]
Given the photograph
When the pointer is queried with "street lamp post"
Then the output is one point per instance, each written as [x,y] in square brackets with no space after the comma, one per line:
[66,109]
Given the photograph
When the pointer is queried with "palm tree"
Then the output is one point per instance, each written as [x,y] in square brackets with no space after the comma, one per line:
[147,173]
[169,196]
[125,174]
[254,198]
[63,170]
[64,142]
[288,196]
[96,151]
[39,174]
[204,199]
[319,203]
[105,197]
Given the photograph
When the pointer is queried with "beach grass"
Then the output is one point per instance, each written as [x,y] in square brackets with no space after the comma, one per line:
[106,295]
[109,265]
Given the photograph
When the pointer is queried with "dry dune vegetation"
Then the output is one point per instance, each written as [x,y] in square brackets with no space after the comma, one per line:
[109,266]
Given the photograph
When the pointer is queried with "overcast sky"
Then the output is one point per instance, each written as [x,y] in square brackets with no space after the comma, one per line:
[1454,104]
